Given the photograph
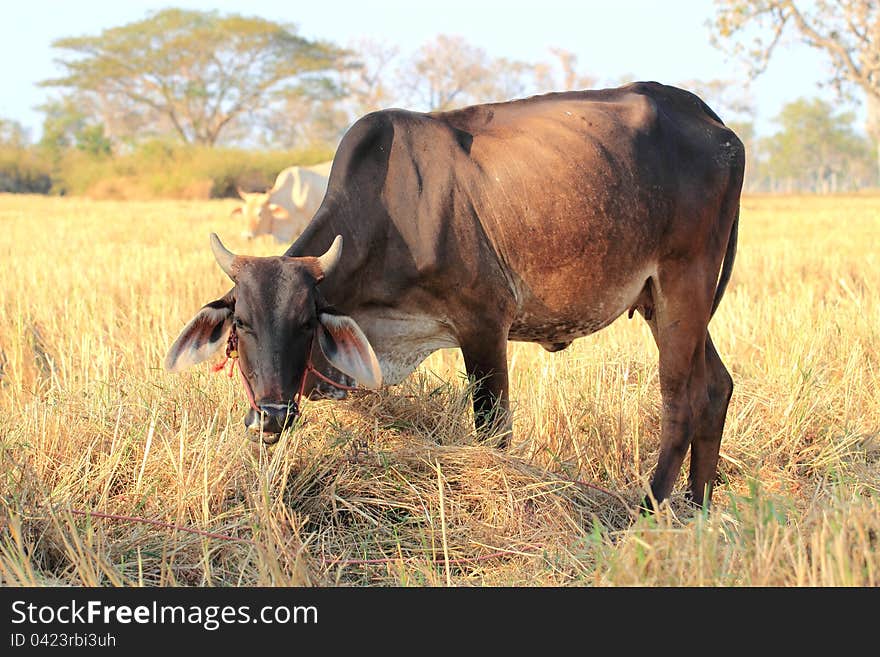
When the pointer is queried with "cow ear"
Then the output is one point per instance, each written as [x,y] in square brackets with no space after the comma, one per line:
[203,337]
[236,211]
[278,212]
[348,350]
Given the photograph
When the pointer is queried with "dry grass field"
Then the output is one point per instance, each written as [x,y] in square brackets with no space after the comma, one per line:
[391,488]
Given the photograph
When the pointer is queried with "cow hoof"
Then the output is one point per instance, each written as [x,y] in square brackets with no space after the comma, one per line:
[698,502]
[648,506]
[264,437]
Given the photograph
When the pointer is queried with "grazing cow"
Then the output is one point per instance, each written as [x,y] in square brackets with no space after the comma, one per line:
[539,220]
[285,210]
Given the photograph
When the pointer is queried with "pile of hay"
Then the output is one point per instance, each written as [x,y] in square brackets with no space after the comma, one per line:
[388,487]
[400,484]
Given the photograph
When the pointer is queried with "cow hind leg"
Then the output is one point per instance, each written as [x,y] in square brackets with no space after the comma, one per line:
[682,306]
[707,435]
[485,360]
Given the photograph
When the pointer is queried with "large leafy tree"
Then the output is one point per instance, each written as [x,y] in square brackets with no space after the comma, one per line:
[192,72]
[816,148]
[846,31]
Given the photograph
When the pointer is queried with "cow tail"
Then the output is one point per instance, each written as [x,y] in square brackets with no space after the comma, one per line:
[727,266]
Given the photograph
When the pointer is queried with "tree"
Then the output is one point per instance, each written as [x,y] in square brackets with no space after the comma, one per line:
[306,120]
[66,125]
[449,72]
[366,77]
[446,73]
[22,169]
[13,133]
[192,72]
[506,79]
[847,31]
[816,149]
[561,74]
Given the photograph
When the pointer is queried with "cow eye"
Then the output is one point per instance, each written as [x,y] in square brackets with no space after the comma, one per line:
[238,324]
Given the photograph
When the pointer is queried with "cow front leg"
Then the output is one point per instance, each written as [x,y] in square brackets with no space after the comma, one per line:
[485,360]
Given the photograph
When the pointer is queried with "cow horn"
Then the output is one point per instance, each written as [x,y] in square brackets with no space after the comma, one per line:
[223,255]
[242,194]
[328,260]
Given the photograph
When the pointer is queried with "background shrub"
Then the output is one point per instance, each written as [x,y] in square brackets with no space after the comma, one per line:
[152,170]
[24,170]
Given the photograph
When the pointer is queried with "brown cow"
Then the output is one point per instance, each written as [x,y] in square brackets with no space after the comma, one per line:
[540,219]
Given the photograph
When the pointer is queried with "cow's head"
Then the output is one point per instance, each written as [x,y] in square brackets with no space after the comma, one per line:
[279,314]
[258,213]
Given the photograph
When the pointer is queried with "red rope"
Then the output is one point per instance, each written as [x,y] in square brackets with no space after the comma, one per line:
[164,525]
[593,486]
[314,371]
[324,562]
[439,560]
[247,388]
[232,354]
[530,551]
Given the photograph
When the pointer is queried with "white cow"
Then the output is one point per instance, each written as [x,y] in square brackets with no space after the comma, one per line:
[286,209]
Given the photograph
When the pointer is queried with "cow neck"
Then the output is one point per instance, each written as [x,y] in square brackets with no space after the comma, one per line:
[315,240]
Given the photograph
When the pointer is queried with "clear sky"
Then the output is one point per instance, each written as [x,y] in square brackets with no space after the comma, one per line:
[663,40]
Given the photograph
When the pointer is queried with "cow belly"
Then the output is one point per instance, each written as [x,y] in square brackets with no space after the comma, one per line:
[402,341]
[538,321]
[552,331]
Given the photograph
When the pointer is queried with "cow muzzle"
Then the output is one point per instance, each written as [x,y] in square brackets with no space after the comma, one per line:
[270,422]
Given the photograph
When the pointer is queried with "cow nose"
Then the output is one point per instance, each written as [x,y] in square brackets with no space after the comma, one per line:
[270,422]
